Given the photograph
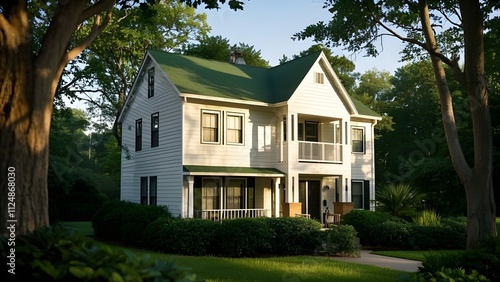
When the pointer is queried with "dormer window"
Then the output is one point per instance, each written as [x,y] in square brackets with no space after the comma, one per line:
[319,78]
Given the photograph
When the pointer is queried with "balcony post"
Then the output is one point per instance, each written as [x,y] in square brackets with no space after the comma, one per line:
[190,207]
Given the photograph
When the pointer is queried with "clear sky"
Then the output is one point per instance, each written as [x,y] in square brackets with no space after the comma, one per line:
[268,25]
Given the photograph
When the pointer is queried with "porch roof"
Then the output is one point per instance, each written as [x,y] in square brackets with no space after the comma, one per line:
[232,171]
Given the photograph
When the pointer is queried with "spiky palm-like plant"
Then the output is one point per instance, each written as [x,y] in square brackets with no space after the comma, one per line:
[398,199]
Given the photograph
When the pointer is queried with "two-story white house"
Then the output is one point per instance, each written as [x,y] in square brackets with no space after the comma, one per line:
[220,140]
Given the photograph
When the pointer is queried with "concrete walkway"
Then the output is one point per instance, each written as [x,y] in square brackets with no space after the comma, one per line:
[383,261]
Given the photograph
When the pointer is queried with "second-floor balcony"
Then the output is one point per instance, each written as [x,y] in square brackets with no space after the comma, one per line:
[320,152]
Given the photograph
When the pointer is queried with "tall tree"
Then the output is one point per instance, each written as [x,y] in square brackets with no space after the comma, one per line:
[440,30]
[29,76]
[219,49]
[104,73]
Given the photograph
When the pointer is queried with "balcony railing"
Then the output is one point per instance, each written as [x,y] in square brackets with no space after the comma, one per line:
[231,213]
[320,152]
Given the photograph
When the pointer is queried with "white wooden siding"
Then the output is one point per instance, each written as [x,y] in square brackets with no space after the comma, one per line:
[259,146]
[164,161]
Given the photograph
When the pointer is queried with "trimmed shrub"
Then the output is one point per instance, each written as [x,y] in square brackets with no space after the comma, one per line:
[125,221]
[244,237]
[341,240]
[194,237]
[60,254]
[293,235]
[366,222]
[392,234]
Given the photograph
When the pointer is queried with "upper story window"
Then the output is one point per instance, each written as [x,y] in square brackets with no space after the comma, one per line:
[210,123]
[151,82]
[234,129]
[319,77]
[358,140]
[155,126]
[138,135]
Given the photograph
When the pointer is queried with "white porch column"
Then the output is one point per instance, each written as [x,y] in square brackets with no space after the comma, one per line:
[190,207]
[277,198]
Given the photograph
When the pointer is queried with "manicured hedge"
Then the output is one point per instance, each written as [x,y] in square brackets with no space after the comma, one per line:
[244,237]
[378,229]
[60,254]
[294,235]
[125,221]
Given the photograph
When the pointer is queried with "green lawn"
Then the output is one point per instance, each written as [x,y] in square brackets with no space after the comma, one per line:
[83,227]
[295,268]
[413,255]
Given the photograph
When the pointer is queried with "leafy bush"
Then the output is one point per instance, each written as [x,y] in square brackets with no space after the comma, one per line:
[125,221]
[195,237]
[293,235]
[366,222]
[392,234]
[449,274]
[485,260]
[399,199]
[59,254]
[437,238]
[341,240]
[427,218]
[244,237]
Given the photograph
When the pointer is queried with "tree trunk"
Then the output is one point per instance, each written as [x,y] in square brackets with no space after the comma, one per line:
[27,87]
[478,179]
[24,132]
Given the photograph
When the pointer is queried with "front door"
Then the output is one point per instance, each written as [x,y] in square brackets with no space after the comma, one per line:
[309,196]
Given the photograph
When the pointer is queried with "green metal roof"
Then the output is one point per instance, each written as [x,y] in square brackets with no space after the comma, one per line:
[200,169]
[192,75]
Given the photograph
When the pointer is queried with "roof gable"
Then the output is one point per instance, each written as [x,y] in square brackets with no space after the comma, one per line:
[210,78]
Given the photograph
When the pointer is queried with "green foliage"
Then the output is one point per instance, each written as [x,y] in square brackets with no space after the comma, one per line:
[244,237]
[125,221]
[427,218]
[398,199]
[449,275]
[193,237]
[392,234]
[341,240]
[293,235]
[366,222]
[59,254]
[486,260]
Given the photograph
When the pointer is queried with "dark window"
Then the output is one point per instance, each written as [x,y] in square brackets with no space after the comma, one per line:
[357,194]
[144,190]
[358,140]
[155,124]
[311,133]
[284,128]
[152,190]
[151,82]
[138,135]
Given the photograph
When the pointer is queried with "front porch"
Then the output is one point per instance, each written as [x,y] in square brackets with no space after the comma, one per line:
[221,214]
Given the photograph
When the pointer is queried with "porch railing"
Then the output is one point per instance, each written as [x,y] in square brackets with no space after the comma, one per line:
[231,213]
[320,152]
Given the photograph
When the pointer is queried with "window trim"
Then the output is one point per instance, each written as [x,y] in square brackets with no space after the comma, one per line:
[138,135]
[155,132]
[218,134]
[151,82]
[242,130]
[363,141]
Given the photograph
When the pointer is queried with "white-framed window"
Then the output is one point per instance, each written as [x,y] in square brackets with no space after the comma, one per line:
[155,126]
[358,139]
[319,78]
[210,124]
[234,128]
